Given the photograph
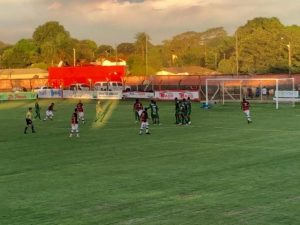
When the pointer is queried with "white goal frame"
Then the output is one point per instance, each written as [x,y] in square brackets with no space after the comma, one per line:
[223,80]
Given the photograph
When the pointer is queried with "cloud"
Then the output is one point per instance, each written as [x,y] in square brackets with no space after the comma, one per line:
[115,21]
[55,6]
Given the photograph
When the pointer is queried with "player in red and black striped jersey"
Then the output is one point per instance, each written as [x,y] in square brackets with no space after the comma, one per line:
[49,112]
[138,109]
[80,111]
[144,122]
[245,106]
[74,124]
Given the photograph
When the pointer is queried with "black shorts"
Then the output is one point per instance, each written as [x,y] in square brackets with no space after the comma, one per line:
[28,121]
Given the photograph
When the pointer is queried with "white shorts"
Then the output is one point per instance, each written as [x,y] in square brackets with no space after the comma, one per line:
[81,114]
[144,125]
[74,127]
[247,112]
[49,113]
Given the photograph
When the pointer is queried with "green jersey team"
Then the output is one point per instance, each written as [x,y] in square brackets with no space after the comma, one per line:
[183,110]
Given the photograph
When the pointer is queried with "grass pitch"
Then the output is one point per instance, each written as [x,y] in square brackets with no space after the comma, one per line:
[220,170]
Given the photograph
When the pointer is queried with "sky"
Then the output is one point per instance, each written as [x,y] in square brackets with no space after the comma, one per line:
[116,21]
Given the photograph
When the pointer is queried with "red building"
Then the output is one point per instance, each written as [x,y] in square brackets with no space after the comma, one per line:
[65,76]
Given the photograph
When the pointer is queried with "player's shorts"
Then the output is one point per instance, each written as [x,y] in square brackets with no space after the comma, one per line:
[81,114]
[247,112]
[154,115]
[28,122]
[74,127]
[49,113]
[144,125]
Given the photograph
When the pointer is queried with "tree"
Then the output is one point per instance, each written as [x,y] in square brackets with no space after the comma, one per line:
[259,45]
[54,42]
[139,62]
[290,42]
[195,48]
[85,50]
[23,54]
[125,49]
[106,50]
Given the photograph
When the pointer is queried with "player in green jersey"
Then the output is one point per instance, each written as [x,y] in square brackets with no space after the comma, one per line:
[189,110]
[183,112]
[177,117]
[154,112]
[37,109]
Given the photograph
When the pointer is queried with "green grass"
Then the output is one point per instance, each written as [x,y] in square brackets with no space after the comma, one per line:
[220,170]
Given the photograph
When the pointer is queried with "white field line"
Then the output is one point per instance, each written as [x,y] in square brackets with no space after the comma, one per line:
[162,127]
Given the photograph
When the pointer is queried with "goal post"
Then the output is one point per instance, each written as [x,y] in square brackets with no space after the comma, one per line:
[260,89]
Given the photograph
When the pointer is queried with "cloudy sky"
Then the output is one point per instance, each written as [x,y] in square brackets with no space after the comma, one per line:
[116,21]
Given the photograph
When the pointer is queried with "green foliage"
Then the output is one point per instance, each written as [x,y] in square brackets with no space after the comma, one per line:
[106,50]
[126,49]
[23,54]
[3,47]
[227,66]
[85,50]
[259,45]
[55,43]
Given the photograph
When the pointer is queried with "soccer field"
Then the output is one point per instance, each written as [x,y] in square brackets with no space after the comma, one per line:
[217,171]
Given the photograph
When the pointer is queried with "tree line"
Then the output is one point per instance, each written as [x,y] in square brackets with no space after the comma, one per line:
[262,45]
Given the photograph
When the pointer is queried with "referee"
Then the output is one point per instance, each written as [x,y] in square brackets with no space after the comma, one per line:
[29,121]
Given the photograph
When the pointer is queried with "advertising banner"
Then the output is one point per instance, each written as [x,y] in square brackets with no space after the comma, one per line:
[92,94]
[138,94]
[287,94]
[17,96]
[171,95]
[50,93]
[115,95]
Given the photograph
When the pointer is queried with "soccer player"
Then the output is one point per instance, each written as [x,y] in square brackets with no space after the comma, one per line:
[154,112]
[37,109]
[138,109]
[74,124]
[144,122]
[177,117]
[245,106]
[29,121]
[80,111]
[182,112]
[49,112]
[189,110]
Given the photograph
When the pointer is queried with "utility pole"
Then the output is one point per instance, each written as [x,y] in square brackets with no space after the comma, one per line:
[74,57]
[236,54]
[290,57]
[146,55]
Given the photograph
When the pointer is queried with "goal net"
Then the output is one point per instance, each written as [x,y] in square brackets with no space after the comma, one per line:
[258,89]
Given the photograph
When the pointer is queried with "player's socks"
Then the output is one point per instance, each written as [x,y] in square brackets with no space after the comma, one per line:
[25,130]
